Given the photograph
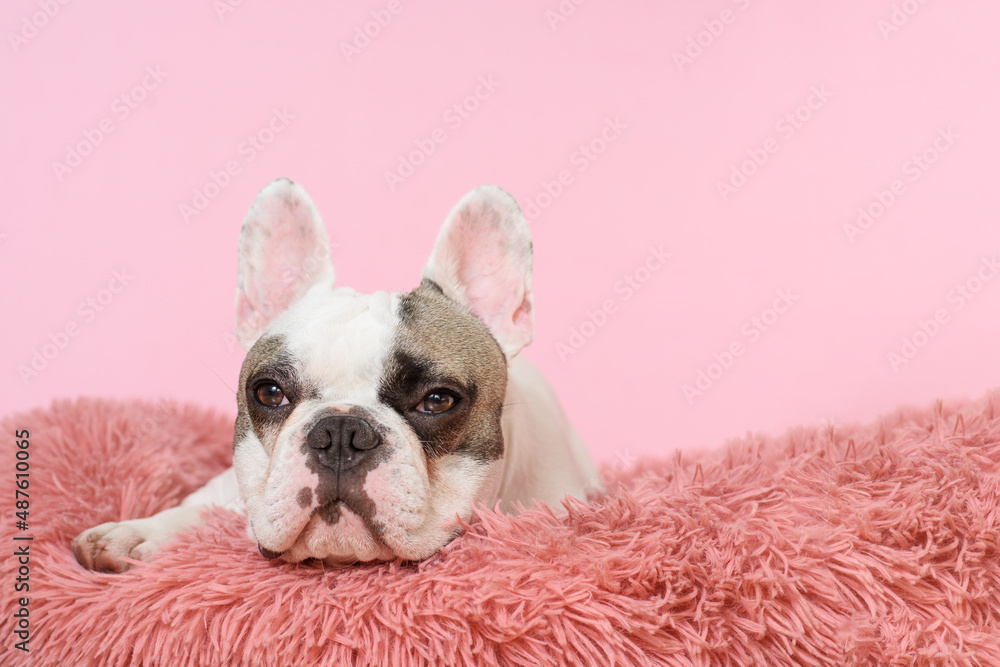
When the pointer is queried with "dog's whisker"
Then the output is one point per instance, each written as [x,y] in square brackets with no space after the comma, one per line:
[220,379]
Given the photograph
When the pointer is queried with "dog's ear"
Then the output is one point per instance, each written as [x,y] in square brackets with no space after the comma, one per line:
[482,259]
[283,252]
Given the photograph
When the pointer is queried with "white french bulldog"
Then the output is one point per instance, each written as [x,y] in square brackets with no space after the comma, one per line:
[367,423]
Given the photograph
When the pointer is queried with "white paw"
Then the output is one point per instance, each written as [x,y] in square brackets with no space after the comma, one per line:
[102,547]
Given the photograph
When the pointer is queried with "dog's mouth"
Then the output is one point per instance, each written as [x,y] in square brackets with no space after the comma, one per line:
[328,517]
[268,554]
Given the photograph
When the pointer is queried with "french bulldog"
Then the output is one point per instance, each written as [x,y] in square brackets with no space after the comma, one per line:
[368,422]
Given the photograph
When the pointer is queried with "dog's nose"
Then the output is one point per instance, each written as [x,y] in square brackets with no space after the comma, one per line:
[343,441]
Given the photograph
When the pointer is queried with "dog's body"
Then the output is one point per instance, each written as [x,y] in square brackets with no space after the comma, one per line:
[367,423]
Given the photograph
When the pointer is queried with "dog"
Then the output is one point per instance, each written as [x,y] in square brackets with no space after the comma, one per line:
[368,422]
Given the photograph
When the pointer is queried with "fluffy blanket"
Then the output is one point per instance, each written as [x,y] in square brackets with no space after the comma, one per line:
[832,545]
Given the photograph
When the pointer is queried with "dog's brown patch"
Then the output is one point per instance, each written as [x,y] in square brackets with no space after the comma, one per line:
[268,359]
[440,344]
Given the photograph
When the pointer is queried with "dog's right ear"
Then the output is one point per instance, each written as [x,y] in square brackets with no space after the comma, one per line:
[283,252]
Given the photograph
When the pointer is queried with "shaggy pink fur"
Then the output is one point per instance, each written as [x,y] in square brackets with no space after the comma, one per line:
[872,545]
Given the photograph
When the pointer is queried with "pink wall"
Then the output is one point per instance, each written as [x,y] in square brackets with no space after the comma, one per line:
[809,111]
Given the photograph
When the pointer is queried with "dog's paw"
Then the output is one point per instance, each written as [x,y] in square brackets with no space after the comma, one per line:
[102,547]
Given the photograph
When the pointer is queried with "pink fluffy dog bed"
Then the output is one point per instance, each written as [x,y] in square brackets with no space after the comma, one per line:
[871,545]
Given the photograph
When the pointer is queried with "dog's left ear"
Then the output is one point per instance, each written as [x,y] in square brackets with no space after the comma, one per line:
[482,259]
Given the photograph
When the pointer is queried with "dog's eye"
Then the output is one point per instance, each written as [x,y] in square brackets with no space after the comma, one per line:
[437,402]
[270,394]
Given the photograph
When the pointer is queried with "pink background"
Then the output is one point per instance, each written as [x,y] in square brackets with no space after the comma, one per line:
[888,90]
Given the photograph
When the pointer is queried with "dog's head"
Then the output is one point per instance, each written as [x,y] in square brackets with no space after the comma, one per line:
[367,422]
